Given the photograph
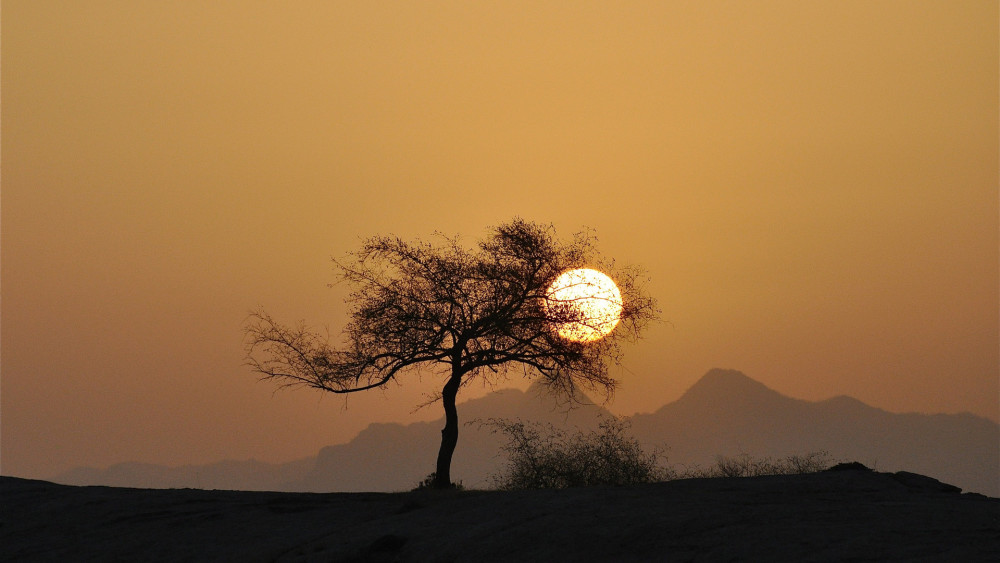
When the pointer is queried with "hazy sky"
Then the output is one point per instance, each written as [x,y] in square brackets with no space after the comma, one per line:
[813,187]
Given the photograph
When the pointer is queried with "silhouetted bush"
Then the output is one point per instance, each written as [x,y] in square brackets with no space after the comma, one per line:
[746,465]
[544,457]
[428,483]
[548,458]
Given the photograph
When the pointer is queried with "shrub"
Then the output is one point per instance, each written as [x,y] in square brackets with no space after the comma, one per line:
[543,457]
[745,465]
[428,484]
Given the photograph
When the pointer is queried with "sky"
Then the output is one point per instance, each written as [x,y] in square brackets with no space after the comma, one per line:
[811,186]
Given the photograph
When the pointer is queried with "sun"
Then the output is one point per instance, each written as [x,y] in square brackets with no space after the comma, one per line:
[586,302]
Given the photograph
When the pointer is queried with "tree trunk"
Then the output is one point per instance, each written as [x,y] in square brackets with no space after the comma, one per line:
[449,434]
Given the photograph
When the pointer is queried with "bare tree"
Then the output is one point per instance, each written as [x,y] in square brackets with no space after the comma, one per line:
[465,314]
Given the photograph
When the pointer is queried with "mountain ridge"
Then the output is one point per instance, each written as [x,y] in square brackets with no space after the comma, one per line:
[724,413]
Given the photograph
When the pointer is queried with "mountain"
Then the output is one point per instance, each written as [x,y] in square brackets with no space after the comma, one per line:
[727,413]
[382,457]
[394,457]
[724,413]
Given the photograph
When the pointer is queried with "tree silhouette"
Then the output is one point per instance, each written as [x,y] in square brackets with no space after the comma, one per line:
[464,314]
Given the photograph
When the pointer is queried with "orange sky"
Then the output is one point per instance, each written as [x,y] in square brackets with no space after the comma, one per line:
[813,187]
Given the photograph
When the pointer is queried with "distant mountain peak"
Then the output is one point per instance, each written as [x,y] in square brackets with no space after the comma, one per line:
[720,374]
[537,386]
[540,390]
[728,380]
[720,387]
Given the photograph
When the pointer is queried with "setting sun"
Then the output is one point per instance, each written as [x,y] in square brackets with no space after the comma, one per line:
[588,297]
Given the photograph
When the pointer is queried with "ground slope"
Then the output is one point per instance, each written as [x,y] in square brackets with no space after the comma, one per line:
[830,516]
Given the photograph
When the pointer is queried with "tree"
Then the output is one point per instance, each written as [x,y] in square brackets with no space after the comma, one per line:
[464,314]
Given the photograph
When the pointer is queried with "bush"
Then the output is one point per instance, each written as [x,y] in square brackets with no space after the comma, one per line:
[555,459]
[544,457]
[428,484]
[745,465]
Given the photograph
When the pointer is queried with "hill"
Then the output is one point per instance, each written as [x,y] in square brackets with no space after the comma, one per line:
[724,413]
[831,516]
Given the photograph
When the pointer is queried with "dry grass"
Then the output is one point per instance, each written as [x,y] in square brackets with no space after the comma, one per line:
[542,456]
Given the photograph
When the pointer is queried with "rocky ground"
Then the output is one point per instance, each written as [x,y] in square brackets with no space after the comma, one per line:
[830,516]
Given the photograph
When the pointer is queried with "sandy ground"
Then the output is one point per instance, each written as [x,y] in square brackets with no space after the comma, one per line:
[832,516]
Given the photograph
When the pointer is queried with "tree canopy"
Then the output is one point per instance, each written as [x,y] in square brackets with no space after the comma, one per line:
[466,314]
